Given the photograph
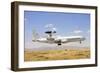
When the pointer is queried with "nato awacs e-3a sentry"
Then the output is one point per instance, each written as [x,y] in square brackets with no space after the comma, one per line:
[52,39]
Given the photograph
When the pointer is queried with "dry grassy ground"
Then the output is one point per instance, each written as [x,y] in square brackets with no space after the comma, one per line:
[66,54]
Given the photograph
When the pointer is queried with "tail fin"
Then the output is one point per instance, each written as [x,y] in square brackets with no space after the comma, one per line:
[35,36]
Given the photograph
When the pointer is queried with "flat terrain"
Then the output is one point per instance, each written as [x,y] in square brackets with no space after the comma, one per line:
[65,54]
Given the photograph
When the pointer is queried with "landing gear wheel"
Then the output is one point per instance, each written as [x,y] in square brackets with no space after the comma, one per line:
[59,44]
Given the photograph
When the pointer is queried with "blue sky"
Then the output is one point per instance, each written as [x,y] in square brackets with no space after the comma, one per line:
[67,24]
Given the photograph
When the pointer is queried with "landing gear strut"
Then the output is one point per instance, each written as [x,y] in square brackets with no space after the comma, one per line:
[59,42]
[80,42]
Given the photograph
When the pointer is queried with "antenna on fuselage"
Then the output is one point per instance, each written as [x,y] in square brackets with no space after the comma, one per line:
[51,30]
